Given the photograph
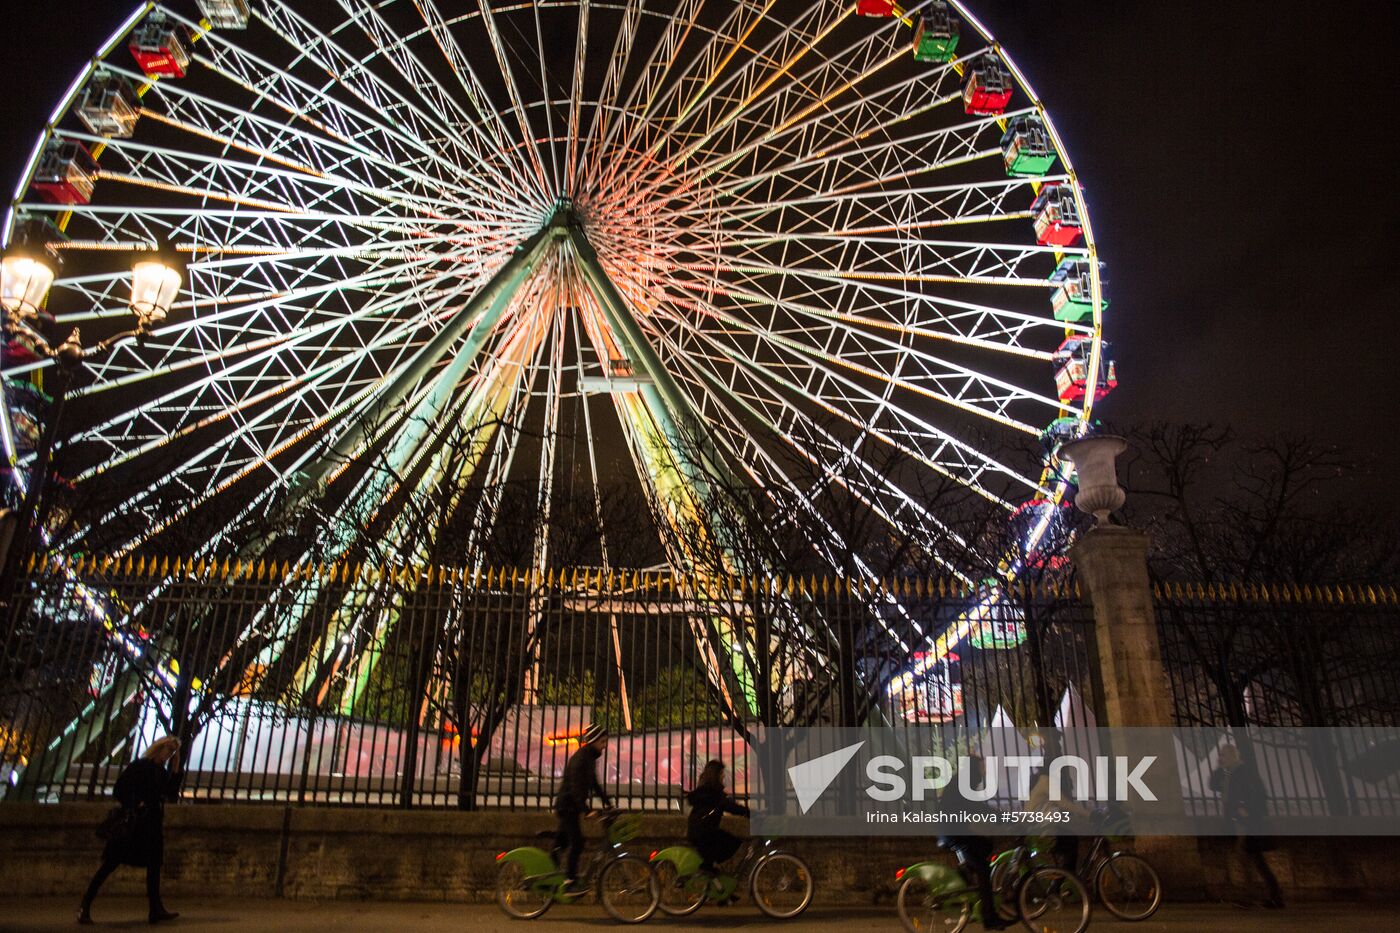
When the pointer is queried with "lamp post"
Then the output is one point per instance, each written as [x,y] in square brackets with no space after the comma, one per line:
[27,272]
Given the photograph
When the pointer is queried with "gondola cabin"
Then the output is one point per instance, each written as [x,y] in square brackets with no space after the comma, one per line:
[66,174]
[1060,431]
[1072,370]
[987,91]
[161,48]
[108,106]
[936,35]
[1073,301]
[881,8]
[1056,217]
[225,14]
[1026,149]
[19,350]
[28,407]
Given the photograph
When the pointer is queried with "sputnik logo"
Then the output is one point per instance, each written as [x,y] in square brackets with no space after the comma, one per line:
[811,778]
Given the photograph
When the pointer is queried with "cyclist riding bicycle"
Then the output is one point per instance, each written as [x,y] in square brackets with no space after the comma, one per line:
[574,798]
[973,852]
[709,802]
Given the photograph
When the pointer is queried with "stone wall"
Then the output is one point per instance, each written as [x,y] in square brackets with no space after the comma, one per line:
[267,851]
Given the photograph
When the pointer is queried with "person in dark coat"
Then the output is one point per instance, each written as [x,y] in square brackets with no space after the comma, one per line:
[708,803]
[574,798]
[142,790]
[972,850]
[1245,805]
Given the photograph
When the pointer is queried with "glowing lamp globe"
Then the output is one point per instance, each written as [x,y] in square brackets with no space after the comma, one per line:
[26,282]
[154,285]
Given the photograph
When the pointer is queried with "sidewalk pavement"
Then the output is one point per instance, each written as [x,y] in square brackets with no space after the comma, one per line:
[36,915]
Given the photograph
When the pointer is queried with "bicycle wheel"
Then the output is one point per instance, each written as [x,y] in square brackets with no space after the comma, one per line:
[1128,886]
[627,888]
[1053,900]
[1006,875]
[517,893]
[921,910]
[680,895]
[781,885]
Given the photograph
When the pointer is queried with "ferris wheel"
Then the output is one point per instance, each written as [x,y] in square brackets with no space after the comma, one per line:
[807,226]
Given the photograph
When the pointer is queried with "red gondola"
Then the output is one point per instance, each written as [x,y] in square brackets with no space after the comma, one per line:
[881,8]
[988,89]
[161,48]
[66,174]
[1072,369]
[1056,217]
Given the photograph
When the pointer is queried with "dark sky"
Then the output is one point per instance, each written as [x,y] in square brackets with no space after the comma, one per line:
[1239,160]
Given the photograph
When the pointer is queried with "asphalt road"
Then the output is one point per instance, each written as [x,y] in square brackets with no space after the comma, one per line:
[218,916]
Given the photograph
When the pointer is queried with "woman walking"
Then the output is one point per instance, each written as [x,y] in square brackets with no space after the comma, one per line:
[142,790]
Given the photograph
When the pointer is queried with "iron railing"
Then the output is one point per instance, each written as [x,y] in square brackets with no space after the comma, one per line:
[1322,661]
[440,687]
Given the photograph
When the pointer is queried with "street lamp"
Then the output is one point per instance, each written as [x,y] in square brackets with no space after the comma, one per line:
[27,276]
[29,268]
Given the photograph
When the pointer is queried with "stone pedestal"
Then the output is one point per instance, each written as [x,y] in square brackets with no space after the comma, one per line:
[1112,563]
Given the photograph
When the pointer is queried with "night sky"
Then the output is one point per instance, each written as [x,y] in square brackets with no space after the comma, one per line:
[1239,163]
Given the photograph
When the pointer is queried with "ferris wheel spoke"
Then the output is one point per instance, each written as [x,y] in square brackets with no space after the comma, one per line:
[373,136]
[930,205]
[765,383]
[842,165]
[238,314]
[967,325]
[268,173]
[315,382]
[950,261]
[880,486]
[576,82]
[601,125]
[873,59]
[842,125]
[448,113]
[646,94]
[349,414]
[317,149]
[317,372]
[417,144]
[538,176]
[492,126]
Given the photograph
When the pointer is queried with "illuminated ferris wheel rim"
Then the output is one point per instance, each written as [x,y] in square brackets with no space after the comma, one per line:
[1089,248]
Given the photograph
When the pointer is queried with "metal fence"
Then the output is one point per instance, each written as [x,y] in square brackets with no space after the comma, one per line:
[351,685]
[1302,663]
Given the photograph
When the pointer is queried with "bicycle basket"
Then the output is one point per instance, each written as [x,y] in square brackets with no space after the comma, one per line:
[625,828]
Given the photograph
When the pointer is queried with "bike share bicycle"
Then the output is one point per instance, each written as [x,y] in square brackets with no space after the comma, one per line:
[934,896]
[529,881]
[1126,884]
[779,882]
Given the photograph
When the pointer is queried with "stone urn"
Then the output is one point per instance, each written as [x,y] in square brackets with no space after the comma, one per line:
[1094,460]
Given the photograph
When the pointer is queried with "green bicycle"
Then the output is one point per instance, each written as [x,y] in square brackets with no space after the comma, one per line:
[935,897]
[529,882]
[779,882]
